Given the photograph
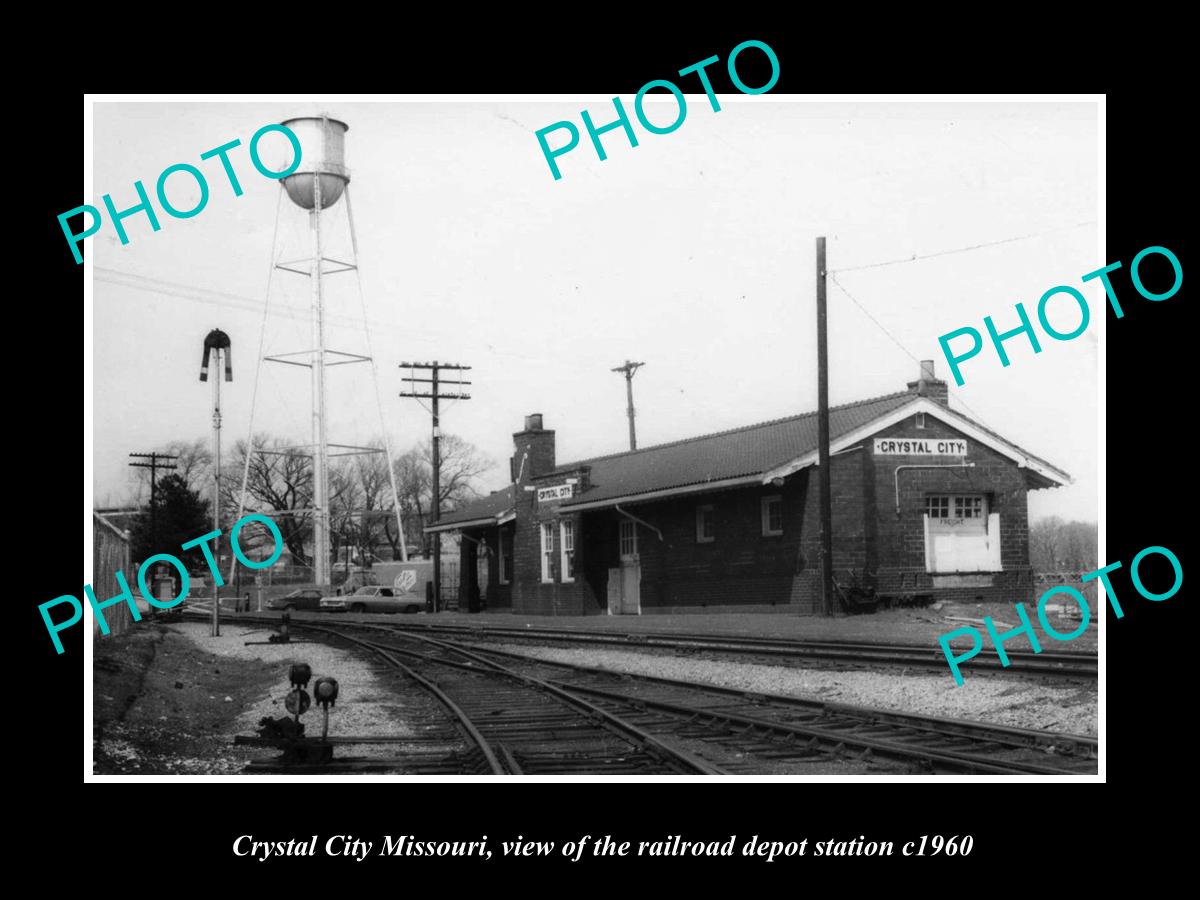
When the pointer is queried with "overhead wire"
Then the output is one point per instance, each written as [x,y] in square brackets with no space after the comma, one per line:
[387,447]
[262,337]
[896,341]
[918,256]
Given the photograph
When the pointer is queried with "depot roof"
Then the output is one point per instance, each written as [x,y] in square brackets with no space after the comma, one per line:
[752,454]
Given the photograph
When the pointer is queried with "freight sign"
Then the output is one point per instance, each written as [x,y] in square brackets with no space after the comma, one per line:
[920,447]
[558,492]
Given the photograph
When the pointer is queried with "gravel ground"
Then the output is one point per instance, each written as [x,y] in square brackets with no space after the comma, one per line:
[911,625]
[991,699]
[364,705]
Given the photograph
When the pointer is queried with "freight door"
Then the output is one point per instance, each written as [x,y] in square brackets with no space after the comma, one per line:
[960,534]
[631,569]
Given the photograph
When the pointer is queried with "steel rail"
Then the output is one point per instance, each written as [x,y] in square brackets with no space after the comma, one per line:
[829,739]
[1010,735]
[688,763]
[460,717]
[1045,663]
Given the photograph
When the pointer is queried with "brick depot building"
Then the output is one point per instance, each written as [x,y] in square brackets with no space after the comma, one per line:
[925,502]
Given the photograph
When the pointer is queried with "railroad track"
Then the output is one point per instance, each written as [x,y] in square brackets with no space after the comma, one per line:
[516,724]
[746,732]
[520,714]
[1076,665]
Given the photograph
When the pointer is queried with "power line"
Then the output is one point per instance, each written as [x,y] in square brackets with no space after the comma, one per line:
[434,394]
[878,324]
[916,256]
[896,341]
[628,371]
[165,461]
[253,305]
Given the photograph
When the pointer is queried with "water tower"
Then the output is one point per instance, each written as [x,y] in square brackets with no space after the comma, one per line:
[316,186]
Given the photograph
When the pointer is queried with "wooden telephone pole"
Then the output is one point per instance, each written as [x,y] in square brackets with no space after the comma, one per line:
[826,495]
[157,461]
[434,394]
[629,369]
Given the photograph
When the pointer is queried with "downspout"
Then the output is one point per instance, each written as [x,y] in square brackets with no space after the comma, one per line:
[641,522]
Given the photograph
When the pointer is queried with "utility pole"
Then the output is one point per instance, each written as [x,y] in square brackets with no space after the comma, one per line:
[216,343]
[826,496]
[154,465]
[434,394]
[629,368]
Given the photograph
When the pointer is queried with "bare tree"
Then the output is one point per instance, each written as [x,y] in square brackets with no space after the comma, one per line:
[1059,546]
[462,466]
[375,505]
[1045,544]
[344,502]
[280,480]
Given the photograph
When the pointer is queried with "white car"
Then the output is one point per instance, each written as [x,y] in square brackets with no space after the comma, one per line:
[373,598]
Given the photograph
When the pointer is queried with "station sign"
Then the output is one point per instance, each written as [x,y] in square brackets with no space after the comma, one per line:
[558,492]
[920,447]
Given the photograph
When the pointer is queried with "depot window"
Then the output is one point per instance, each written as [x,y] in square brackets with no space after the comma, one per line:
[938,507]
[772,516]
[706,530]
[547,552]
[505,554]
[567,543]
[956,506]
[968,507]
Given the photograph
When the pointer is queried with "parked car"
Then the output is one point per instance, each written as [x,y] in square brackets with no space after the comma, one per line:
[303,599]
[373,598]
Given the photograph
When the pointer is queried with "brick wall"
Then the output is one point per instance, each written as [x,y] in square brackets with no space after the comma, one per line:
[530,594]
[900,566]
[855,532]
[739,567]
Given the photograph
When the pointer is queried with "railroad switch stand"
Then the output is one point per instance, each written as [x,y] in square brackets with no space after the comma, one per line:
[283,635]
[287,734]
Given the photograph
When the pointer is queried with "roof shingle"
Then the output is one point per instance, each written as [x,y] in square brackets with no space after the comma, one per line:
[749,450]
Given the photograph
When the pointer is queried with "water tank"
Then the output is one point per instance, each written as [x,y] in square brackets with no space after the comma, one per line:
[323,154]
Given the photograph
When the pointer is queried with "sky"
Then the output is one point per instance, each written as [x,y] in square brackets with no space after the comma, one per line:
[693,252]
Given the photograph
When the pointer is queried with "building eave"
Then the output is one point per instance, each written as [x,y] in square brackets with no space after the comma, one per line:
[946,416]
[662,494]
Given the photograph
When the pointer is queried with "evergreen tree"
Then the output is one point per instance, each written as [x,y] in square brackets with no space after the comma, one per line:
[180,515]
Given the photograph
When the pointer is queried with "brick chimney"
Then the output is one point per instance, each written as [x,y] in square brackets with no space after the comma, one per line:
[928,385]
[534,445]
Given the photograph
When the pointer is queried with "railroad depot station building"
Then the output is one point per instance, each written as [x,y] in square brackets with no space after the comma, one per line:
[926,502]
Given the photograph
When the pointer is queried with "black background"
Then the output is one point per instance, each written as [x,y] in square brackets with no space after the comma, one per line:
[187,830]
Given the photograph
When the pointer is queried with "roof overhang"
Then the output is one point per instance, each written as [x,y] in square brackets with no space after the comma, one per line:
[507,516]
[949,417]
[632,499]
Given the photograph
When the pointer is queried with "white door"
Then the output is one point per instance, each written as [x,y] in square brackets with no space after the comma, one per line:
[957,534]
[631,569]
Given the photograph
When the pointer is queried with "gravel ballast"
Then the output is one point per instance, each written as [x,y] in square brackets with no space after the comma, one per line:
[364,706]
[1004,701]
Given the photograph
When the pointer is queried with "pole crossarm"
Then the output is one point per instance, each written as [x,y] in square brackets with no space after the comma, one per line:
[435,380]
[436,396]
